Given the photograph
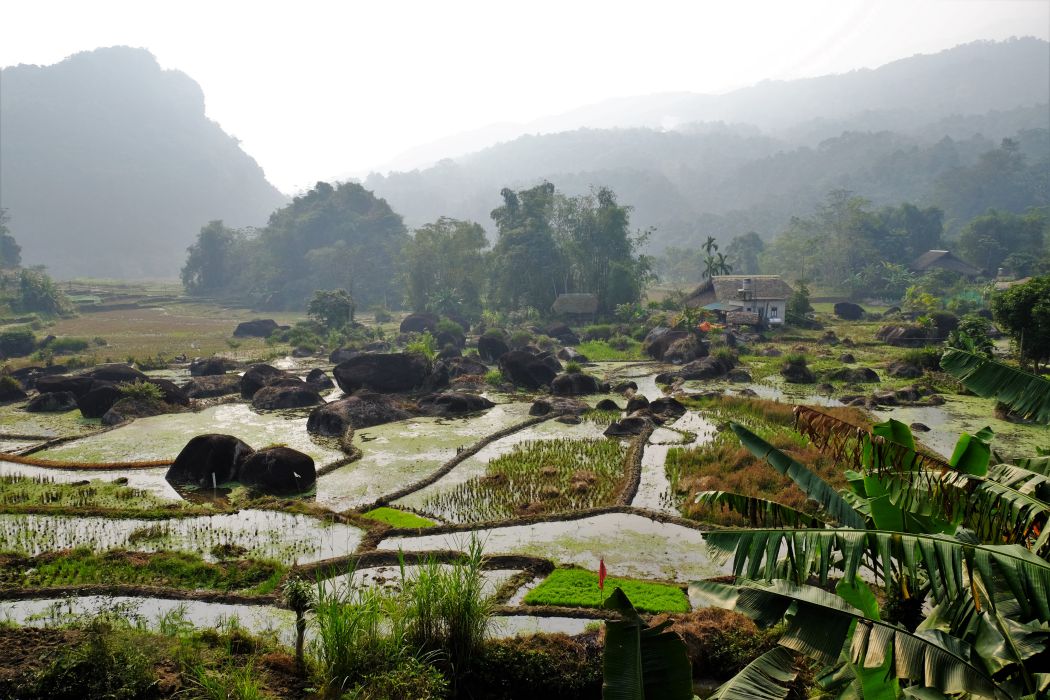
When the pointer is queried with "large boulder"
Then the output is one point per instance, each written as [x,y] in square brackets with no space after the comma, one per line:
[342,355]
[210,386]
[607,405]
[11,390]
[257,328]
[418,323]
[319,380]
[571,355]
[904,370]
[638,402]
[260,375]
[529,370]
[453,403]
[362,410]
[667,407]
[684,350]
[100,399]
[169,391]
[492,347]
[706,368]
[849,311]
[383,372]
[464,366]
[627,427]
[286,395]
[52,402]
[562,333]
[904,335]
[575,384]
[559,404]
[130,408]
[797,373]
[659,340]
[853,375]
[78,386]
[278,470]
[208,456]
[116,373]
[28,376]
[210,366]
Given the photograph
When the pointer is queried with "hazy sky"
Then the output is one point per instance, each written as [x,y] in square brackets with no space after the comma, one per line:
[315,88]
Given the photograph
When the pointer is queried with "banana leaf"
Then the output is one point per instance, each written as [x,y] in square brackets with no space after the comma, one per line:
[1025,393]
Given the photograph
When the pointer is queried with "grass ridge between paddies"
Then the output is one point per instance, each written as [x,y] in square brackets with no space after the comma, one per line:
[578,588]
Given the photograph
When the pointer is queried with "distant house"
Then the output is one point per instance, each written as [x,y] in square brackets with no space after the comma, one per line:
[764,295]
[943,260]
[576,306]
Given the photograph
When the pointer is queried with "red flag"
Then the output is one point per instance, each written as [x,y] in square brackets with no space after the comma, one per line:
[601,574]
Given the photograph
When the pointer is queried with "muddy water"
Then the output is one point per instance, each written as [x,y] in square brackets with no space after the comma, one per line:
[632,545]
[265,534]
[398,454]
[151,480]
[654,490]
[163,437]
[259,619]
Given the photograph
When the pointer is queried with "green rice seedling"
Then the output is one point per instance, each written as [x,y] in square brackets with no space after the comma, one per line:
[579,588]
[548,476]
[398,518]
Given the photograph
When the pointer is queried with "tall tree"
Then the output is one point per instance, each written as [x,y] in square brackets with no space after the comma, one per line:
[989,239]
[10,251]
[527,266]
[209,263]
[743,253]
[447,259]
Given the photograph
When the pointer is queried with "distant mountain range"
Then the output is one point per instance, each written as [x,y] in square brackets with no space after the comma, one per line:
[750,159]
[109,166]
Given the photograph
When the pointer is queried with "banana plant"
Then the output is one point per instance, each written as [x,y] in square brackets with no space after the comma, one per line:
[964,539]
[1025,393]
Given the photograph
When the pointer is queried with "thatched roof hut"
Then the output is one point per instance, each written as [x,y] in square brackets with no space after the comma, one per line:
[943,260]
[576,304]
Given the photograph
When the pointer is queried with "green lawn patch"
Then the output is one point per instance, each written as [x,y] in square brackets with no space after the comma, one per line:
[579,588]
[398,518]
[599,351]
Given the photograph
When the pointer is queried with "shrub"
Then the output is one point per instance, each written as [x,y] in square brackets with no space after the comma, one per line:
[424,344]
[597,332]
[108,664]
[410,680]
[144,391]
[494,377]
[8,384]
[796,359]
[727,356]
[619,342]
[926,358]
[551,666]
[719,642]
[61,346]
[449,326]
[17,342]
[519,339]
[382,315]
[495,333]
[573,367]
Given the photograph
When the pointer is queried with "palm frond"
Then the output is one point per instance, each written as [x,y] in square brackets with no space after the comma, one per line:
[760,512]
[812,485]
[1025,393]
[821,623]
[946,562]
[765,678]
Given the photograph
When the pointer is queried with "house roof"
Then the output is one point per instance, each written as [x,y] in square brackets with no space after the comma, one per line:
[945,260]
[725,289]
[576,304]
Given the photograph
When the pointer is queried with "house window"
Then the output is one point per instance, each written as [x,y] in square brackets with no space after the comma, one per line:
[773,312]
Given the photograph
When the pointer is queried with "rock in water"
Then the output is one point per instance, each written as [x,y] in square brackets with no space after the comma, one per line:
[207,455]
[278,470]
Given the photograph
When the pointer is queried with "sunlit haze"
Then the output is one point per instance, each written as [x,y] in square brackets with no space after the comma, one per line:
[323,89]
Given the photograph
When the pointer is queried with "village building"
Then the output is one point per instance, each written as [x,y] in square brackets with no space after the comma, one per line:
[761,296]
[943,260]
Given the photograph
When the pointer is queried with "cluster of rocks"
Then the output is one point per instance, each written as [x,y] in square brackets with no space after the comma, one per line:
[913,395]
[214,459]
[97,393]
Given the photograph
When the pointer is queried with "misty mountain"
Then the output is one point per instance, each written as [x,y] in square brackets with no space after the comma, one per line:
[110,166]
[889,134]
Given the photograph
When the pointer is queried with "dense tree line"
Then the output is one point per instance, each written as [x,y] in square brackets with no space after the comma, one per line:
[343,237]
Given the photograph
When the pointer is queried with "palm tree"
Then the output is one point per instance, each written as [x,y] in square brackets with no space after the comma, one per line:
[968,540]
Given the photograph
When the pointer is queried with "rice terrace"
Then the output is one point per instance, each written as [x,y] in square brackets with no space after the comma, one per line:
[616,410]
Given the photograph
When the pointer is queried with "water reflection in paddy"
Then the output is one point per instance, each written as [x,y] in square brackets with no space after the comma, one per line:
[632,545]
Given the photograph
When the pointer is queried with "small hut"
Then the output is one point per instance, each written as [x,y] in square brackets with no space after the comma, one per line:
[576,307]
[943,260]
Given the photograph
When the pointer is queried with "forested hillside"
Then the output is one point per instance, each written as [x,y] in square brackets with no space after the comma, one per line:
[920,129]
[110,165]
